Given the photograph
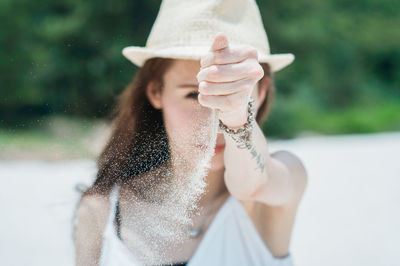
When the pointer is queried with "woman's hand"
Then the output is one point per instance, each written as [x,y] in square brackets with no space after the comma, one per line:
[227,79]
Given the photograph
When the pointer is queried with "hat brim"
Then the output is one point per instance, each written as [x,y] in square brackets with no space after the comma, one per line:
[138,55]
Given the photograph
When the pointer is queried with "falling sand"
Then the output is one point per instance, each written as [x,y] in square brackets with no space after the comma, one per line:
[165,198]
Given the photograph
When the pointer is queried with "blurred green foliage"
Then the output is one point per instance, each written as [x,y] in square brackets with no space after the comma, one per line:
[64,57]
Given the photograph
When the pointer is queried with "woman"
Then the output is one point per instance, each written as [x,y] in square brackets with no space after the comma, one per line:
[250,204]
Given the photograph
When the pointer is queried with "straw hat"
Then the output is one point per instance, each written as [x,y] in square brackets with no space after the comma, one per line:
[185,30]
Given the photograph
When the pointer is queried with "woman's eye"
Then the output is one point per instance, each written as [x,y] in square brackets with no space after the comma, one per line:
[193,95]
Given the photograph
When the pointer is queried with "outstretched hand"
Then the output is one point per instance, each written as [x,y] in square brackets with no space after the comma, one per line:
[227,78]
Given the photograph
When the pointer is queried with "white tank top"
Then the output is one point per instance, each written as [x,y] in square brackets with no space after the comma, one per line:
[230,240]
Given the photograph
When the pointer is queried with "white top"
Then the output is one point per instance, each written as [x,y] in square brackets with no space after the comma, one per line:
[231,239]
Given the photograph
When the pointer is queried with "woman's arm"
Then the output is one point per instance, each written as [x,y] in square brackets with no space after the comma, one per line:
[91,217]
[227,78]
[255,174]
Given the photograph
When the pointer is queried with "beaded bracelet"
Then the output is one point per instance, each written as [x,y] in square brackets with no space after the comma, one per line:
[243,134]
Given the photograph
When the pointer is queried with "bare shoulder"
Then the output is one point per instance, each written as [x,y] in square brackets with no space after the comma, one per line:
[93,208]
[91,218]
[275,223]
[298,174]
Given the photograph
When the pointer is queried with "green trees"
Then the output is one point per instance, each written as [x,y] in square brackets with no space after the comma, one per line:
[65,56]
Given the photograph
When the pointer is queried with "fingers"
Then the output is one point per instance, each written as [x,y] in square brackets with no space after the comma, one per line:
[225,88]
[220,42]
[228,75]
[228,103]
[222,53]
[230,55]
[231,72]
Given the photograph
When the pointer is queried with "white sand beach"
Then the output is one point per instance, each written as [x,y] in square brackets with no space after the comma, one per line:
[350,213]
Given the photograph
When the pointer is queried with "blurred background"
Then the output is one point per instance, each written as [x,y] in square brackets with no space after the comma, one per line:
[337,107]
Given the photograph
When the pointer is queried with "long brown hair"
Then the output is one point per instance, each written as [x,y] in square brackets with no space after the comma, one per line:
[138,136]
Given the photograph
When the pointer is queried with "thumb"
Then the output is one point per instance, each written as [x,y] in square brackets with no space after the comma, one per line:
[220,42]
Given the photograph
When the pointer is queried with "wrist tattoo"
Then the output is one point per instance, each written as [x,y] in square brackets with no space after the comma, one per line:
[260,160]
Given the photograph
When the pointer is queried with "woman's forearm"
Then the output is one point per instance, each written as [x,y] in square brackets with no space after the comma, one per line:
[253,174]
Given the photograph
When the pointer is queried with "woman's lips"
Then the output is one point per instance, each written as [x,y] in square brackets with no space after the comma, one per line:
[219,148]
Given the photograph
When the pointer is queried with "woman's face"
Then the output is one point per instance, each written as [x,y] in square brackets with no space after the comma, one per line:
[181,110]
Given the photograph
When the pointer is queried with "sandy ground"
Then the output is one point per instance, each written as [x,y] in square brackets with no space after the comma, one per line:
[350,213]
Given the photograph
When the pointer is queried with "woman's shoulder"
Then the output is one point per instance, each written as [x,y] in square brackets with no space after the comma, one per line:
[91,215]
[95,208]
[91,218]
